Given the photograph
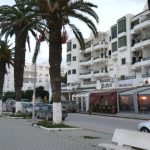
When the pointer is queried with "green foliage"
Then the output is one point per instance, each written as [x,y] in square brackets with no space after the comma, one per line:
[48,124]
[9,95]
[28,94]
[40,92]
[20,115]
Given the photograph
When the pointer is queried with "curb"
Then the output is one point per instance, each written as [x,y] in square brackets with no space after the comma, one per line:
[16,118]
[57,129]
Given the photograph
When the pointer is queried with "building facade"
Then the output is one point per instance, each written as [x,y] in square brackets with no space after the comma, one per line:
[116,58]
[42,77]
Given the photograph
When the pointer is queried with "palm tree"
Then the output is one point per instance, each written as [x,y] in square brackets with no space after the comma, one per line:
[17,21]
[6,58]
[57,14]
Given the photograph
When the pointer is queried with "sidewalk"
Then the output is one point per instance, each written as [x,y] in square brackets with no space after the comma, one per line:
[126,115]
[19,134]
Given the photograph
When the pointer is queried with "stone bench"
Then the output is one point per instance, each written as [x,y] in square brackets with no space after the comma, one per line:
[127,140]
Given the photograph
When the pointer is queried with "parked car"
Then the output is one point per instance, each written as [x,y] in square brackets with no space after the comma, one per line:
[144,126]
[46,112]
[11,105]
[28,107]
[70,106]
[25,100]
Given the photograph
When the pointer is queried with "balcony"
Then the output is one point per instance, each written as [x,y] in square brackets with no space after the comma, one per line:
[90,84]
[139,43]
[143,24]
[101,73]
[142,62]
[85,62]
[127,77]
[99,45]
[98,59]
[145,75]
[85,75]
[88,46]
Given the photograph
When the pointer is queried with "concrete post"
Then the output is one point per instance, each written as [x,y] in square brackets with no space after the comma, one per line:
[135,101]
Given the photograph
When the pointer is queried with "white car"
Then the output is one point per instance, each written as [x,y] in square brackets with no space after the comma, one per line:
[144,126]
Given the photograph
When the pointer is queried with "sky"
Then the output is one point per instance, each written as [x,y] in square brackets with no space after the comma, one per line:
[109,11]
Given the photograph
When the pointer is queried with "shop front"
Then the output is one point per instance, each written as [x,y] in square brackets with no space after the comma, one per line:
[144,101]
[82,100]
[131,101]
[104,101]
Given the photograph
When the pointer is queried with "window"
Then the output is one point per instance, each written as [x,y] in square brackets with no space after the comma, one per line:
[74,45]
[114,32]
[122,25]
[69,72]
[69,46]
[123,61]
[40,80]
[114,46]
[68,57]
[109,52]
[110,38]
[74,58]
[122,41]
[74,71]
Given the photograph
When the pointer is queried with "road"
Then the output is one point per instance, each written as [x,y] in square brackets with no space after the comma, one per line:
[101,123]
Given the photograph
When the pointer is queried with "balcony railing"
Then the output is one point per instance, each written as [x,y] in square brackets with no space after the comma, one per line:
[102,71]
[145,75]
[85,73]
[138,40]
[138,22]
[96,57]
[127,77]
[85,60]
[96,71]
[89,82]
[146,19]
[140,60]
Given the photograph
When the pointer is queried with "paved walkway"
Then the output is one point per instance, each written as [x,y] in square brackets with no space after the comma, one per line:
[16,134]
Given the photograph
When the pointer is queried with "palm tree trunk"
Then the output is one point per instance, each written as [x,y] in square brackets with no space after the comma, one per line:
[55,57]
[2,77]
[19,63]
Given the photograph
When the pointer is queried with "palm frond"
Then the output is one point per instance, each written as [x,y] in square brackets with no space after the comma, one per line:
[78,35]
[86,20]
[36,51]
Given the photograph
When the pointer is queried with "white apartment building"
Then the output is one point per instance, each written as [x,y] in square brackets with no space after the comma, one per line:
[90,65]
[116,58]
[42,77]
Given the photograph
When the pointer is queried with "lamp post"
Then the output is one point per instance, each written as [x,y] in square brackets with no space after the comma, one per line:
[34,93]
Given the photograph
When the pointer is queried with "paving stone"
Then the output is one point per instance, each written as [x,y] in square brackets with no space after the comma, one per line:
[19,134]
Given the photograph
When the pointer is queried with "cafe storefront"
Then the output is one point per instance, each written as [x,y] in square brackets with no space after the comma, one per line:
[104,101]
[144,101]
[132,101]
